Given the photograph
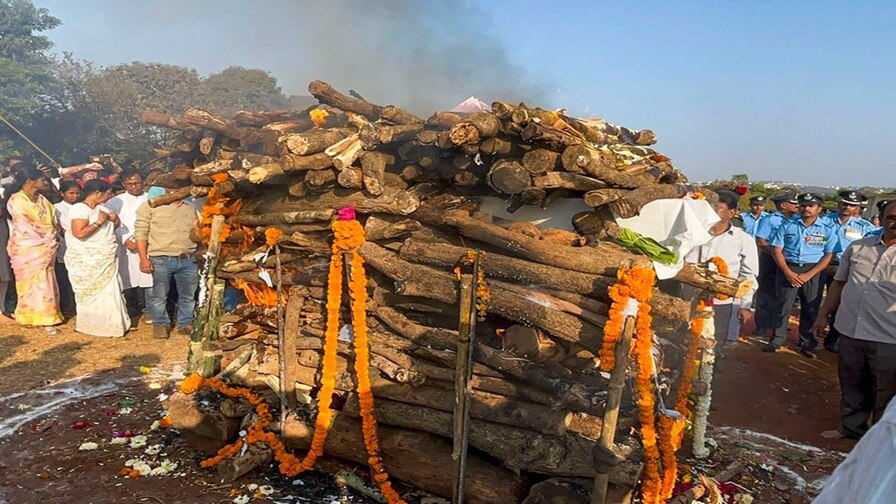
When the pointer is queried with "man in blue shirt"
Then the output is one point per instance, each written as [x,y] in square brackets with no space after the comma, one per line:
[802,250]
[766,304]
[751,219]
[848,226]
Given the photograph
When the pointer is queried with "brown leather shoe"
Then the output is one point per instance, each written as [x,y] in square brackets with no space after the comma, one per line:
[186,330]
[159,332]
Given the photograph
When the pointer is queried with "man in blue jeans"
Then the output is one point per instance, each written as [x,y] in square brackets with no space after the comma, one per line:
[167,251]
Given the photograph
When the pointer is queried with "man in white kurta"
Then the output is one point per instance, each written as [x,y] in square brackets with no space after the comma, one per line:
[137,285]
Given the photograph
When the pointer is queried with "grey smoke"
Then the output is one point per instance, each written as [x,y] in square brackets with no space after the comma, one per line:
[423,55]
[419,54]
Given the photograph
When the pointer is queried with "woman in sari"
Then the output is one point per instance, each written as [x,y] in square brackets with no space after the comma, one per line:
[32,249]
[91,258]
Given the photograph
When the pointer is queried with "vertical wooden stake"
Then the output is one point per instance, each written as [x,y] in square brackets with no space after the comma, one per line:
[211,361]
[463,376]
[287,350]
[611,413]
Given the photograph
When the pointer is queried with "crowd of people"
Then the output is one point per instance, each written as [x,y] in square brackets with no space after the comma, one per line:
[82,241]
[842,270]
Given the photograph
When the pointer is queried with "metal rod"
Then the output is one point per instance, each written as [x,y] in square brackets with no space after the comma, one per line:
[611,413]
[38,149]
[463,376]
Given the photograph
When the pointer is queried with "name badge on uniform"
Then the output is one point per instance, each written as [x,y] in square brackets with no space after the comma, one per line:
[815,240]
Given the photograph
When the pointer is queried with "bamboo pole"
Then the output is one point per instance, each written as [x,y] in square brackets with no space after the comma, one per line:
[611,413]
[206,287]
[211,361]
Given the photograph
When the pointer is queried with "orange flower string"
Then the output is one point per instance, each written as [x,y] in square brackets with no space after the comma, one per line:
[635,283]
[722,268]
[672,429]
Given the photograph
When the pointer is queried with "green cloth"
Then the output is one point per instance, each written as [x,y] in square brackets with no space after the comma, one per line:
[646,246]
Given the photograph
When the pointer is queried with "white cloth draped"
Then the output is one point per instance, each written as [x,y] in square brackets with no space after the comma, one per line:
[126,205]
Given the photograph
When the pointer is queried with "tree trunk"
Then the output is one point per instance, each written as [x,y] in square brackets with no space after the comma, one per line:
[474,127]
[630,204]
[314,141]
[538,161]
[509,177]
[601,197]
[396,115]
[350,178]
[295,162]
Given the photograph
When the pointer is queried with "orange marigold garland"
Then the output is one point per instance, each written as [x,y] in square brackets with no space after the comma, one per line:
[672,429]
[272,235]
[722,268]
[634,283]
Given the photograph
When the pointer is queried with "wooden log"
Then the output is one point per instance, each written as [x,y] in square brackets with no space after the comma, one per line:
[296,217]
[630,204]
[386,227]
[502,110]
[600,197]
[314,141]
[500,147]
[174,195]
[474,127]
[443,120]
[390,134]
[214,167]
[426,137]
[598,165]
[392,201]
[531,343]
[509,177]
[397,115]
[539,161]
[206,142]
[166,121]
[294,162]
[350,178]
[329,96]
[566,180]
[346,151]
[232,468]
[516,448]
[263,173]
[416,458]
[552,138]
[416,280]
[320,180]
[601,260]
[373,168]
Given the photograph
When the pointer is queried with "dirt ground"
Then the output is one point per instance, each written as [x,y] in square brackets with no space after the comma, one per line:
[768,413]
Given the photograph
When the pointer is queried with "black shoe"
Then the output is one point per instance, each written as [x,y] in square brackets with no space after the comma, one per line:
[831,347]
[759,332]
[769,348]
[810,354]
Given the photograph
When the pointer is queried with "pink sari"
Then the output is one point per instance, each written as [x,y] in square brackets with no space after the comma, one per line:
[32,253]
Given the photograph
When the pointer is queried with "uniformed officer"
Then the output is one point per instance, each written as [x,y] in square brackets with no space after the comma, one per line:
[880,217]
[766,306]
[848,226]
[802,250]
[751,219]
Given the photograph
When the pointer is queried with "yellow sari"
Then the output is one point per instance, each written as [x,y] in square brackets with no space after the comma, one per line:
[32,253]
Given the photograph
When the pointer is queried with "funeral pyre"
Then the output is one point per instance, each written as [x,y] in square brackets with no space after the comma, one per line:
[277,183]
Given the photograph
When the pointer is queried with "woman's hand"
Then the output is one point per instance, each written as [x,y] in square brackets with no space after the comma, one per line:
[114,218]
[102,218]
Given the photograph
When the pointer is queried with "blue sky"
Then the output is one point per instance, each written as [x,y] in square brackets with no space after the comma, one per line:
[796,90]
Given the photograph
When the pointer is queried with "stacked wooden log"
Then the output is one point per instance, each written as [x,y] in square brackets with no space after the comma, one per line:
[416,184]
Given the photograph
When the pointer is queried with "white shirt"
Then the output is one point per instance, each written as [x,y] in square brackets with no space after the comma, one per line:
[64,218]
[868,475]
[126,205]
[738,250]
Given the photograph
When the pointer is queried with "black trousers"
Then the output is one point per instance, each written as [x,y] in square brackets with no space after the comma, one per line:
[833,335]
[766,301]
[810,294]
[66,294]
[867,382]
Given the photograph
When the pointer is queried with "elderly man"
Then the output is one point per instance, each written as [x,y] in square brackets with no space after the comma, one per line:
[738,250]
[137,285]
[848,226]
[802,250]
[864,296]
[166,250]
[766,300]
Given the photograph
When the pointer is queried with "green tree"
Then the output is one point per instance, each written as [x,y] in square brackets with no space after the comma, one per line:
[237,88]
[24,63]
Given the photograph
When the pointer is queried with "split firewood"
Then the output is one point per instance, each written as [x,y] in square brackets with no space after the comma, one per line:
[327,95]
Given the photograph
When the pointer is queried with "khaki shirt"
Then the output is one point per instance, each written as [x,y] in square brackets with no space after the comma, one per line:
[166,228]
[868,303]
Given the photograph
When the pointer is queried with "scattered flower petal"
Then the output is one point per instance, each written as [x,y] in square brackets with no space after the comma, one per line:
[125,411]
[88,446]
[138,441]
[155,386]
[242,499]
[23,407]
[145,369]
[119,440]
[266,489]
[153,450]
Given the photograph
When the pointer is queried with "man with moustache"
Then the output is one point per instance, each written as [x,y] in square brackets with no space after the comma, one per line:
[766,301]
[752,218]
[848,226]
[802,250]
[863,294]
